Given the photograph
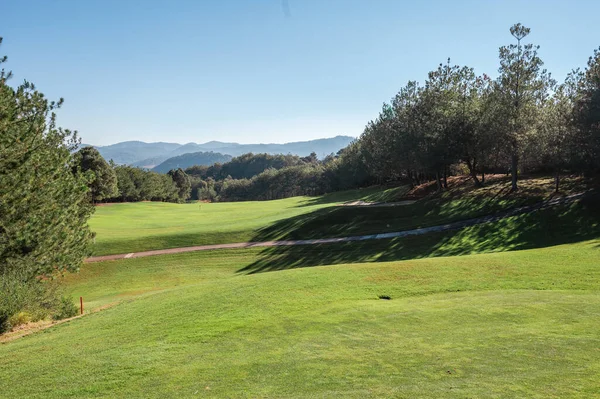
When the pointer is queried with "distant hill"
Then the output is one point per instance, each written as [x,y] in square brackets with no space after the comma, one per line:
[191,159]
[129,152]
[322,147]
[139,153]
[151,162]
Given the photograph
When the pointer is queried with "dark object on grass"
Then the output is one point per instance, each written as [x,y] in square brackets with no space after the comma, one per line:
[386,297]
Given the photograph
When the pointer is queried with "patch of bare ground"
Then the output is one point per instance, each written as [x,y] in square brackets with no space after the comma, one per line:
[377,204]
[499,186]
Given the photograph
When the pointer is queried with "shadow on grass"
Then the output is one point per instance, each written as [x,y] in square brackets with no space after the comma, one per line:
[343,221]
[368,194]
[547,227]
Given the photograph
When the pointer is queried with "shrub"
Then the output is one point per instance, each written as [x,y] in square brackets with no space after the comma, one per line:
[19,319]
[23,300]
[65,309]
[19,295]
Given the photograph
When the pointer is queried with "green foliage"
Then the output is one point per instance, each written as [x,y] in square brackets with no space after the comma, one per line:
[182,181]
[247,166]
[23,299]
[44,207]
[103,179]
[518,122]
[291,181]
[19,319]
[65,309]
[587,112]
[135,184]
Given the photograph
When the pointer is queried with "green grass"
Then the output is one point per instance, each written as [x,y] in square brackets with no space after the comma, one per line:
[514,324]
[133,227]
[515,316]
[210,324]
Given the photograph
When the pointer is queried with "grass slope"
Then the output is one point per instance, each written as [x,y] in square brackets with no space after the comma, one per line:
[514,324]
[123,228]
[214,324]
[132,227]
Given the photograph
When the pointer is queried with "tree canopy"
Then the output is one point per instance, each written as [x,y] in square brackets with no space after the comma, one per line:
[103,179]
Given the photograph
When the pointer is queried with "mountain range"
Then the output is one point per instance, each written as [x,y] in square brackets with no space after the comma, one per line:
[149,155]
[190,159]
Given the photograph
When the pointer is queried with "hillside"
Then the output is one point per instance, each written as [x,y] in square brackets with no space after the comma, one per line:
[189,325]
[124,228]
[138,153]
[507,306]
[187,160]
[128,152]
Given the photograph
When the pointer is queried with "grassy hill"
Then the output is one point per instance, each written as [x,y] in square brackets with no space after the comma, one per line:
[123,228]
[507,309]
[513,324]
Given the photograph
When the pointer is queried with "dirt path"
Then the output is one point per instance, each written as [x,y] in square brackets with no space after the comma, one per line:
[377,204]
[425,230]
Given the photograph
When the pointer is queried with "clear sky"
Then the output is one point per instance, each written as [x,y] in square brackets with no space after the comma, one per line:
[262,70]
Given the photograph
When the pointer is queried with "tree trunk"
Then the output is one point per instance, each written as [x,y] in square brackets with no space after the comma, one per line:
[438,180]
[445,177]
[513,170]
[482,177]
[556,181]
[473,173]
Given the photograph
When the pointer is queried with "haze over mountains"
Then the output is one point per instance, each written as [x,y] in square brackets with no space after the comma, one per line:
[149,155]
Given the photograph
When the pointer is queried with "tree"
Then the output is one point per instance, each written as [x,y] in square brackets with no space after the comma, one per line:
[103,179]
[556,140]
[45,207]
[522,87]
[182,181]
[587,112]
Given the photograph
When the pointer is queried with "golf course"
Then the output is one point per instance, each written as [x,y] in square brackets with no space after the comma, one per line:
[502,309]
[299,200]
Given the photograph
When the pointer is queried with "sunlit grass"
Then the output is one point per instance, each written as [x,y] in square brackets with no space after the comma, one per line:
[301,322]
[133,227]
[511,324]
[130,227]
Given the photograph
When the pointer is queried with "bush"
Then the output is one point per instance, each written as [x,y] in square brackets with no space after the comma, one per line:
[19,319]
[18,295]
[23,301]
[206,194]
[65,309]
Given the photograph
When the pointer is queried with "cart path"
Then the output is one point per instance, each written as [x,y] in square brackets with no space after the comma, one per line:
[425,230]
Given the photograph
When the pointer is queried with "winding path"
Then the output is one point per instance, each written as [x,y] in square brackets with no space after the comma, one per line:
[425,230]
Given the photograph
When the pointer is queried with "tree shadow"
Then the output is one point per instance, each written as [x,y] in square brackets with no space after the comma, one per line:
[567,223]
[344,221]
[369,194]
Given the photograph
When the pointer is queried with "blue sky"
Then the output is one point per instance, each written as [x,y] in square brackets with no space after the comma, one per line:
[249,71]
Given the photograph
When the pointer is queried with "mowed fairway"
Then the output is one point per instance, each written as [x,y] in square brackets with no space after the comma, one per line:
[502,310]
[130,227]
[513,324]
[134,227]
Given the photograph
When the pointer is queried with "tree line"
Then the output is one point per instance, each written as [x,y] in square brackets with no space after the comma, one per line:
[522,120]
[279,176]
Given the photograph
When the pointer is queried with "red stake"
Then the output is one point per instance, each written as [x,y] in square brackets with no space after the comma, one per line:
[81,303]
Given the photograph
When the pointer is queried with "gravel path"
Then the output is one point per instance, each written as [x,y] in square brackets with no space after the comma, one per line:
[433,229]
